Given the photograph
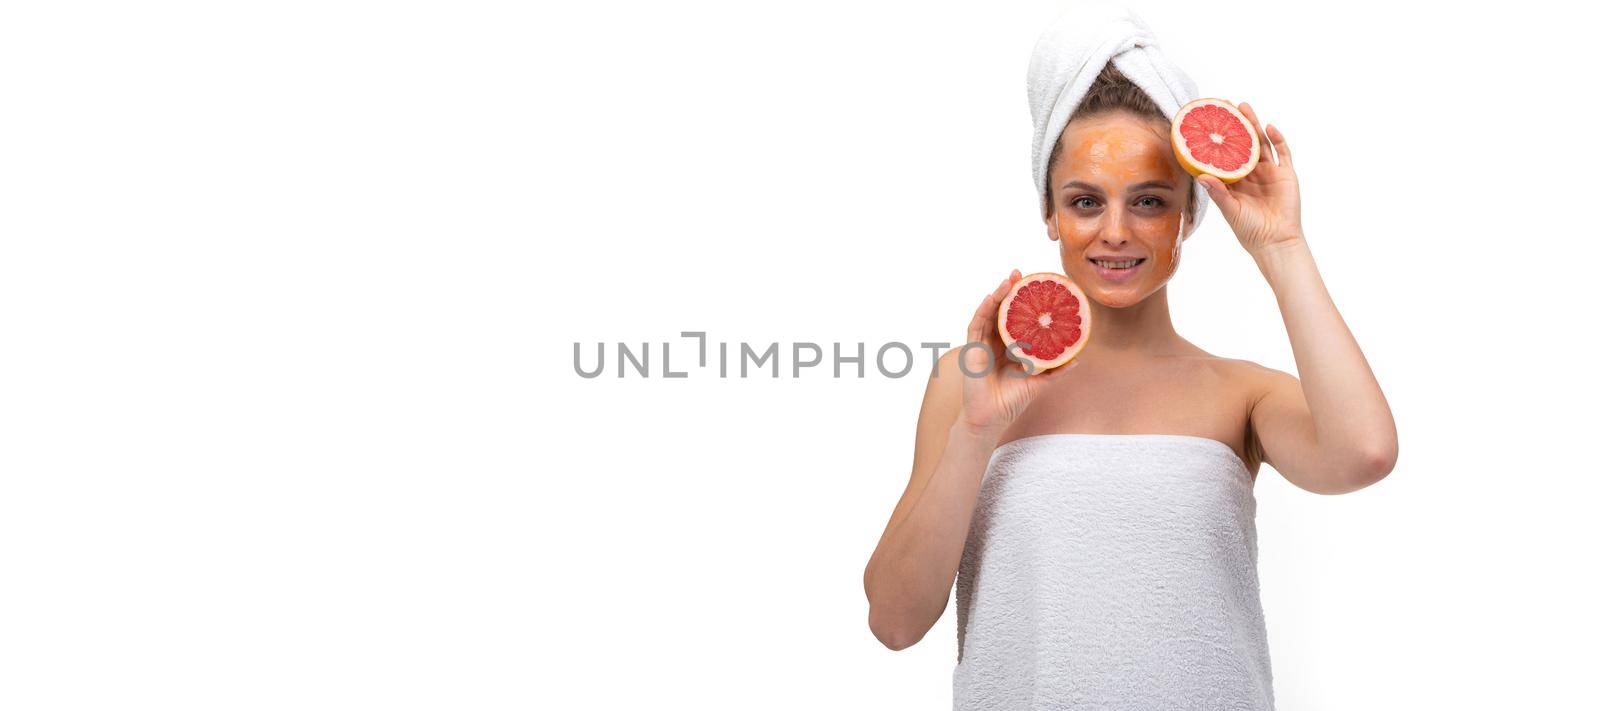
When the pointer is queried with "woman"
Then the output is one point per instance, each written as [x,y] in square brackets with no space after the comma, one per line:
[1101,515]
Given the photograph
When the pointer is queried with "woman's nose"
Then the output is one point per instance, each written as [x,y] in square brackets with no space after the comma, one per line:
[1116,227]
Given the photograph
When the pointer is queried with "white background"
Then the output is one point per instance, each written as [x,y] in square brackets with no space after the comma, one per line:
[289,293]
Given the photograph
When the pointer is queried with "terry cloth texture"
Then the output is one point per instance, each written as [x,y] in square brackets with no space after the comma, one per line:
[1112,572]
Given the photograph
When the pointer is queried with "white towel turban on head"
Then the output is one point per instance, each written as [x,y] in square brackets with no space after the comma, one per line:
[1068,57]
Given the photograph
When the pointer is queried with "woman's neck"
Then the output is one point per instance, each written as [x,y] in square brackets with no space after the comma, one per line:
[1144,328]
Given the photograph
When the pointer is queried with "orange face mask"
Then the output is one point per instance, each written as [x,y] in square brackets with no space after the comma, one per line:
[1165,265]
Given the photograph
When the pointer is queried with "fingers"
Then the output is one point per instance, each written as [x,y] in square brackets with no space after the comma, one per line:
[1219,193]
[983,320]
[1261,133]
[1017,370]
[1281,145]
[1056,372]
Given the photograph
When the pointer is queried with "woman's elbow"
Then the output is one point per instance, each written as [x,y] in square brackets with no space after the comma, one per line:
[1374,466]
[890,629]
[893,635]
[1362,472]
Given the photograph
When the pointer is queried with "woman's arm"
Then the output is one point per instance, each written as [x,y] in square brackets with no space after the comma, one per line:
[1331,433]
[909,576]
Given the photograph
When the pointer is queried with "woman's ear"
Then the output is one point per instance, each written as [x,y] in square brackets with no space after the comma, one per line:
[1050,226]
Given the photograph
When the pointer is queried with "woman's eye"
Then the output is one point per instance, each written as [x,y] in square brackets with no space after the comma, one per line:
[1149,201]
[1080,203]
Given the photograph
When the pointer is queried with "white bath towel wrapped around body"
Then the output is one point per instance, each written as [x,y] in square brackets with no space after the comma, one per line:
[1112,572]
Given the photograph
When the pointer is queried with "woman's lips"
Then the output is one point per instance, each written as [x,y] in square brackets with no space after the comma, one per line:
[1118,275]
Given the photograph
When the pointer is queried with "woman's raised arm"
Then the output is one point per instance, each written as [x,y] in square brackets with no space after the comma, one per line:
[1332,433]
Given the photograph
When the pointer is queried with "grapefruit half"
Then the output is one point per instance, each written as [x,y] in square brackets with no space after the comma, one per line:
[1049,315]
[1212,136]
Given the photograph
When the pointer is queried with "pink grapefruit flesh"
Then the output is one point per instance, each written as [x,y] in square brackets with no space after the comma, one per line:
[1048,315]
[1212,136]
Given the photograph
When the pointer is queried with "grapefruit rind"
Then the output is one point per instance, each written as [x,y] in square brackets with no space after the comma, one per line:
[1194,166]
[1085,322]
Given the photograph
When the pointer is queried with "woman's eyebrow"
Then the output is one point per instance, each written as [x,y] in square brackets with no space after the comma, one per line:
[1150,184]
[1079,184]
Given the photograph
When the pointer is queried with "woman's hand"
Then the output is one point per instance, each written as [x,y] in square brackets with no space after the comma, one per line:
[1264,207]
[993,397]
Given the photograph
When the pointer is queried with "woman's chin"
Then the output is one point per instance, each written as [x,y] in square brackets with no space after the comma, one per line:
[1114,295]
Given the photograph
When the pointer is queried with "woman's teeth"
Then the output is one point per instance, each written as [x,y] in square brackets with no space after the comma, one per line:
[1117,265]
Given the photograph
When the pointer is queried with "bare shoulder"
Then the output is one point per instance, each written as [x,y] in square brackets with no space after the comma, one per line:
[1252,382]
[1258,379]
[1249,379]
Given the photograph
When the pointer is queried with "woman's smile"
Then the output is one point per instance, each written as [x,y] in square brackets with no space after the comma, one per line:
[1117,270]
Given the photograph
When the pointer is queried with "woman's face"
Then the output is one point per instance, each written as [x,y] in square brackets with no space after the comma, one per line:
[1117,193]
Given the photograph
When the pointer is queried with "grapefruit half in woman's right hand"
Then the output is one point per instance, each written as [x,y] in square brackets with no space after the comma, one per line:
[1048,315]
